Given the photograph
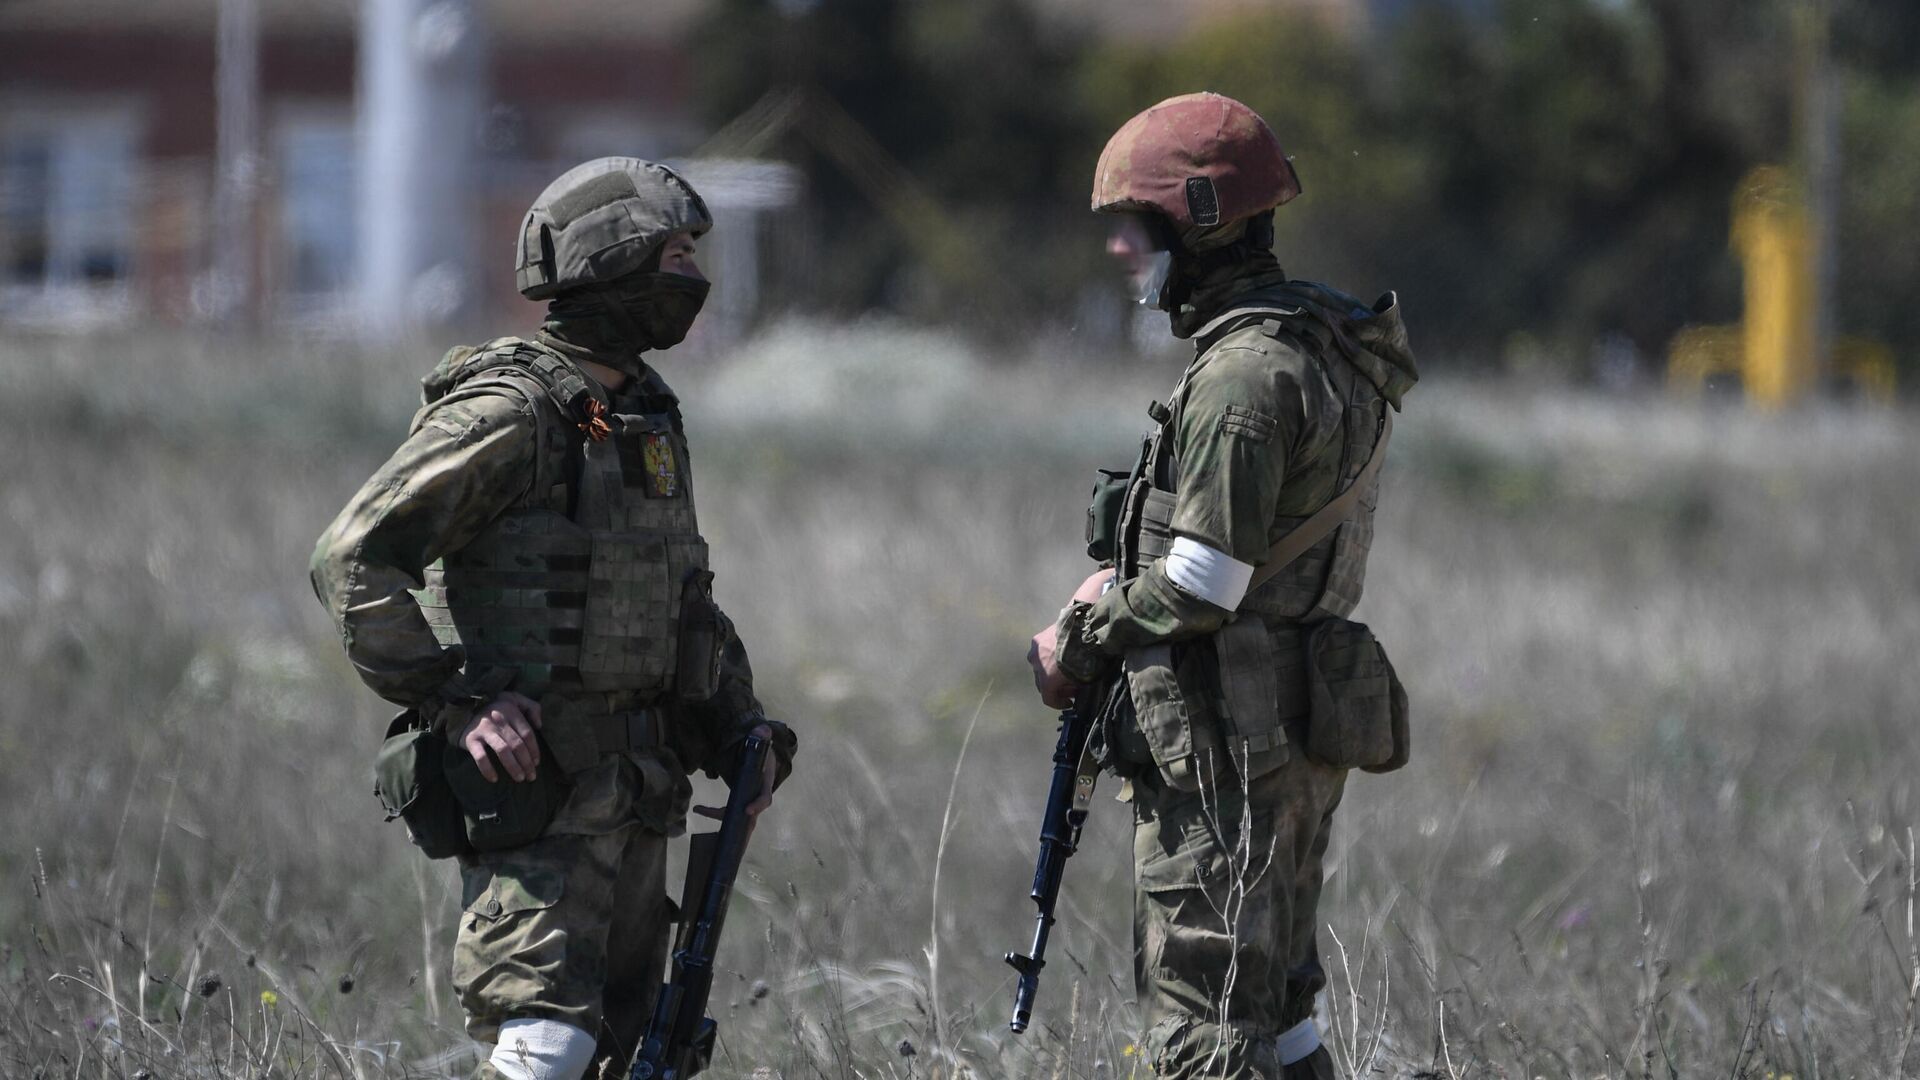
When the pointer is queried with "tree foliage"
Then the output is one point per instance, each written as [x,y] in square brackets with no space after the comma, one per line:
[1558,168]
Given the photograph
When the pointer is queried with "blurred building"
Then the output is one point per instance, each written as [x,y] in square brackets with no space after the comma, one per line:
[189,160]
[1168,18]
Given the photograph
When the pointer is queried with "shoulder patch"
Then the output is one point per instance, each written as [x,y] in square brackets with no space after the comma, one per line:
[486,407]
[1250,424]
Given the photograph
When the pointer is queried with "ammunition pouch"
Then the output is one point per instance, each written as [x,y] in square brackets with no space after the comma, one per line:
[1250,714]
[1175,727]
[1212,703]
[1103,515]
[704,632]
[409,777]
[1357,709]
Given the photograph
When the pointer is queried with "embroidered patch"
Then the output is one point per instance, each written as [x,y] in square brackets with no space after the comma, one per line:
[1248,424]
[662,468]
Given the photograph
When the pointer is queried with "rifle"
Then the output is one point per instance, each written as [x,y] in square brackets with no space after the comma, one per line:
[679,1040]
[1068,796]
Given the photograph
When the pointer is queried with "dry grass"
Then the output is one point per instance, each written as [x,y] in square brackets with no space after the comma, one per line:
[1658,822]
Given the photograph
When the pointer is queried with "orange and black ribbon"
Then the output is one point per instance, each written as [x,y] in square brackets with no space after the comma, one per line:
[595,425]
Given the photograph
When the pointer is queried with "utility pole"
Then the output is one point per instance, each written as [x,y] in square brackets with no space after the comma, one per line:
[236,180]
[422,85]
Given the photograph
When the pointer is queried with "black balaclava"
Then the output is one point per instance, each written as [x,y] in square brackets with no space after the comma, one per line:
[1203,283]
[614,323]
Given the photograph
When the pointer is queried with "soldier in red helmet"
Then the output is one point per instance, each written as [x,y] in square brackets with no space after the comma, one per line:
[1234,552]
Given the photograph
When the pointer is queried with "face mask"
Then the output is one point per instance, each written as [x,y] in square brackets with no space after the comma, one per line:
[663,306]
[1148,286]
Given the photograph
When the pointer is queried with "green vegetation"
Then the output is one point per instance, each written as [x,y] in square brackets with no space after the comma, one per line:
[1657,821]
[1559,168]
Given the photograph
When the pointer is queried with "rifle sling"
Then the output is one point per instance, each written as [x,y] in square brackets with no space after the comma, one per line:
[1327,518]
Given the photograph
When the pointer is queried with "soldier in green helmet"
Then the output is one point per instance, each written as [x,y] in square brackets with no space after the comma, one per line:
[1235,548]
[525,577]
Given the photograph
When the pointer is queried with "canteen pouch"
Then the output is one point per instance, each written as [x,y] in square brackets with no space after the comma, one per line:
[504,813]
[410,780]
[1250,698]
[704,632]
[1356,707]
[1181,736]
[1103,515]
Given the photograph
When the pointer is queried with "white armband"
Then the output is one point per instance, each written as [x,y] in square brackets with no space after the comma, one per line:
[1208,573]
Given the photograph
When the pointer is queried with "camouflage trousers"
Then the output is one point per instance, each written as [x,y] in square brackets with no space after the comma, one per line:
[574,926]
[1227,880]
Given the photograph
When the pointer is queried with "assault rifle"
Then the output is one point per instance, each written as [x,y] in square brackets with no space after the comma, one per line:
[1068,796]
[679,1041]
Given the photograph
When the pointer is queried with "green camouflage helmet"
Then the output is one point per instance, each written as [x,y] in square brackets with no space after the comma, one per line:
[601,221]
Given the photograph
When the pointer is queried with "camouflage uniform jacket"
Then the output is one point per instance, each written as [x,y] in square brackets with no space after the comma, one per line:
[469,456]
[1259,435]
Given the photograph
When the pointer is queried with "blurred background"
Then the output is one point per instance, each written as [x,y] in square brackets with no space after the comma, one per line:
[1558,182]
[1644,558]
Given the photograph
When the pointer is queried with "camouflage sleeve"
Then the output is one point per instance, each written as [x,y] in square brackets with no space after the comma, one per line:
[718,726]
[1243,412]
[469,457]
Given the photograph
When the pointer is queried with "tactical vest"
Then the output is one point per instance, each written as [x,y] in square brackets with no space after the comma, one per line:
[579,585]
[1325,581]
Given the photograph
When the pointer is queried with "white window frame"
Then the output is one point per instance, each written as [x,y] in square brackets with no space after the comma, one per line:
[291,300]
[62,295]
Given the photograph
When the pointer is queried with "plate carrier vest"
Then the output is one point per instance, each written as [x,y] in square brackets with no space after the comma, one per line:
[578,585]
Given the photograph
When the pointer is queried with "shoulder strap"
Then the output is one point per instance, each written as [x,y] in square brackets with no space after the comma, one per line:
[1203,338]
[538,371]
[1327,518]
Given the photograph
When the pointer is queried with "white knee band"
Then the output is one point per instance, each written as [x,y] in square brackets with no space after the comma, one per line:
[542,1050]
[1298,1042]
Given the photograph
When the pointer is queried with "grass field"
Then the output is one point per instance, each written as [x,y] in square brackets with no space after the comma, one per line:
[1659,820]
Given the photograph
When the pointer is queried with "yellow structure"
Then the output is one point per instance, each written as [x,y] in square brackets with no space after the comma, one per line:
[1775,348]
[1774,237]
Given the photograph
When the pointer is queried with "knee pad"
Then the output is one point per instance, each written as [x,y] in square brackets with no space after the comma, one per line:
[541,1050]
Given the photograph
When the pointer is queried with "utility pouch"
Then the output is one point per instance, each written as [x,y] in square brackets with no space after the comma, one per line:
[665,794]
[1103,514]
[1250,698]
[411,782]
[504,813]
[704,633]
[1116,742]
[1356,707]
[1182,739]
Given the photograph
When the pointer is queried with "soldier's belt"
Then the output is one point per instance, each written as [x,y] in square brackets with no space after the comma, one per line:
[597,702]
[581,729]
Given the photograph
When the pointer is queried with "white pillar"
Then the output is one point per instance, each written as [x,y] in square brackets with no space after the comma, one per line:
[236,160]
[422,85]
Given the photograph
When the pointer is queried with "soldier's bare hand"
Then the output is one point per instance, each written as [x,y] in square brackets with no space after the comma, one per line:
[769,771]
[1056,688]
[504,725]
[1091,589]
